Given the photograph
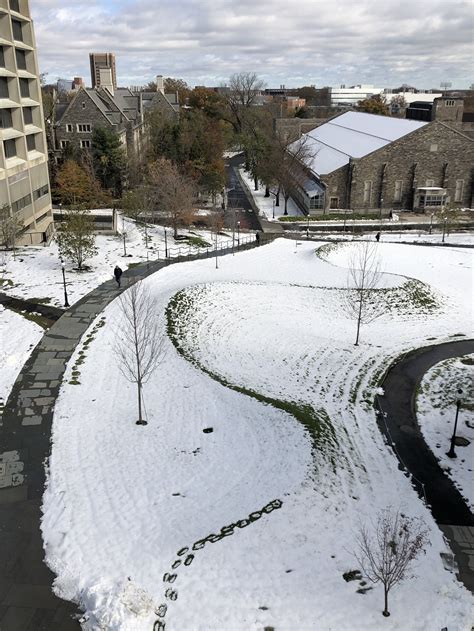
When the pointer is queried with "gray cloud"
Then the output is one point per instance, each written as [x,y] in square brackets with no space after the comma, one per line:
[420,42]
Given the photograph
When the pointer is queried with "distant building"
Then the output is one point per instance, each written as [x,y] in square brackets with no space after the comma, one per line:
[166,103]
[99,62]
[374,164]
[24,179]
[352,95]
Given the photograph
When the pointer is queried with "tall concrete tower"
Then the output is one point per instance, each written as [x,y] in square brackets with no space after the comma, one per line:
[102,61]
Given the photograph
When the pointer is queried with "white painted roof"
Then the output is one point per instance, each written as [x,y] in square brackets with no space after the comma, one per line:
[353,135]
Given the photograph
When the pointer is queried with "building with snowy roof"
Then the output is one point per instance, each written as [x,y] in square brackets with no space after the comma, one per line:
[374,164]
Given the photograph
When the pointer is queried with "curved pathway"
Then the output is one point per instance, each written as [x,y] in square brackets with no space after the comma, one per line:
[398,422]
[27,602]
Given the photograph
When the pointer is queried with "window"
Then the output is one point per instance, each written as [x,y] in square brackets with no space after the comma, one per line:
[334,202]
[316,202]
[4,93]
[17,30]
[64,144]
[450,103]
[83,105]
[459,190]
[397,197]
[40,192]
[15,5]
[28,115]
[43,216]
[24,88]
[432,200]
[83,128]
[429,182]
[85,144]
[21,203]
[6,119]
[31,142]
[20,59]
[367,191]
[2,58]
[69,128]
[13,179]
[10,148]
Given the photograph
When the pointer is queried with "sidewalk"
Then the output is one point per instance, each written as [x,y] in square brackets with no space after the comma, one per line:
[398,422]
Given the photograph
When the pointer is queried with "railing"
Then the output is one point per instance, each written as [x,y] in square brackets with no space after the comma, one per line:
[191,252]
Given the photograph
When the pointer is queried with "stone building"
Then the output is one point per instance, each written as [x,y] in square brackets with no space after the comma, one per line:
[375,164]
[24,179]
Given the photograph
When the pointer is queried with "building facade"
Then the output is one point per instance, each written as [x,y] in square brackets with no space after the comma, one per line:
[102,61]
[24,178]
[377,164]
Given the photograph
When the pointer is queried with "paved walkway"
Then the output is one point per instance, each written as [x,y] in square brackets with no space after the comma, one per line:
[27,602]
[399,424]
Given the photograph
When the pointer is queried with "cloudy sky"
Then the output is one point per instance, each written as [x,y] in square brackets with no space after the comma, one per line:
[300,42]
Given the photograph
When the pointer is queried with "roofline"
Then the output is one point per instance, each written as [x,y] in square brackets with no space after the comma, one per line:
[458,131]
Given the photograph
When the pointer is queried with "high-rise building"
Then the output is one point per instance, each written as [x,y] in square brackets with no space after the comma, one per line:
[102,61]
[24,179]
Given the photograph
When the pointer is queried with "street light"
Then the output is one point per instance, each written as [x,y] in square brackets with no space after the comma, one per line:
[451,453]
[60,211]
[431,222]
[124,234]
[63,267]
[238,233]
[166,244]
[273,208]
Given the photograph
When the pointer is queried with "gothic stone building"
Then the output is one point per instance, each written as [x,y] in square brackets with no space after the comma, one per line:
[373,164]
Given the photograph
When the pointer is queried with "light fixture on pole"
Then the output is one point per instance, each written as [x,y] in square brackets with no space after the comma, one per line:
[63,268]
[60,211]
[124,235]
[451,453]
[431,222]
[166,244]
[238,233]
[273,208]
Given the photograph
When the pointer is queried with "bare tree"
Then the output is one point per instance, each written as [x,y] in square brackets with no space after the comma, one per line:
[139,342]
[244,88]
[386,551]
[363,278]
[173,193]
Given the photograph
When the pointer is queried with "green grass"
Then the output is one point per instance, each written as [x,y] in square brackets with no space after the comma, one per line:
[198,242]
[37,318]
[328,217]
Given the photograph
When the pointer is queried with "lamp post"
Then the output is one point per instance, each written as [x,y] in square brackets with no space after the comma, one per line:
[124,234]
[307,226]
[273,208]
[60,211]
[63,268]
[166,244]
[233,233]
[431,222]
[238,233]
[451,453]
[445,220]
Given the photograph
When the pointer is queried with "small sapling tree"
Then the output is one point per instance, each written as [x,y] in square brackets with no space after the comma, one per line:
[139,342]
[364,275]
[386,551]
[10,228]
[75,237]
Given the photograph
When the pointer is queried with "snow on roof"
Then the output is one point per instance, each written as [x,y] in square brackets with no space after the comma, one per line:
[353,135]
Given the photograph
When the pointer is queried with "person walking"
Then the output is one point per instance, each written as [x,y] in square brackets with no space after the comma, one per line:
[118,274]
[257,238]
[377,237]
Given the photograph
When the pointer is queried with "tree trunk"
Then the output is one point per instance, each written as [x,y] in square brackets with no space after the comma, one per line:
[386,612]
[286,205]
[140,415]
[267,191]
[255,183]
[277,198]
[359,318]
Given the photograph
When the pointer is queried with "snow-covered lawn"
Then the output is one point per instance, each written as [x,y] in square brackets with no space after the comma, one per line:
[436,411]
[261,351]
[18,337]
[36,271]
